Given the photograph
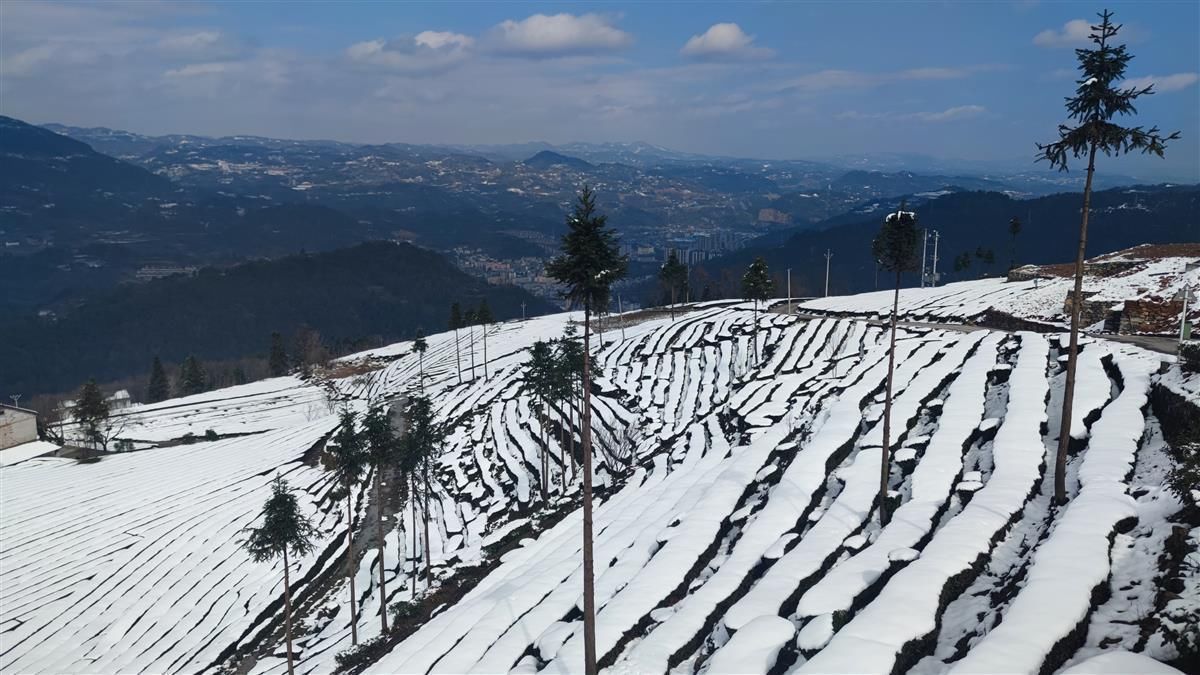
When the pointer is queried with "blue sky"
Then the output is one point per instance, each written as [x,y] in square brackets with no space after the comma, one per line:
[968,80]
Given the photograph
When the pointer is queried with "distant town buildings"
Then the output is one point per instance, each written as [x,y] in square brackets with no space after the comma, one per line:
[152,271]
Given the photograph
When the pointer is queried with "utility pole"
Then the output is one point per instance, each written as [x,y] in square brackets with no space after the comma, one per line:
[924,248]
[789,291]
[828,255]
[621,311]
[1183,332]
[933,278]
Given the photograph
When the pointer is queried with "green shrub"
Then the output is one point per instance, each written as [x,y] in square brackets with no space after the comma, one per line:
[1189,356]
[365,653]
[403,610]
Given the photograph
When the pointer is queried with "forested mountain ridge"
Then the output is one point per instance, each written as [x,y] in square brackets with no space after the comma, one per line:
[368,293]
[971,223]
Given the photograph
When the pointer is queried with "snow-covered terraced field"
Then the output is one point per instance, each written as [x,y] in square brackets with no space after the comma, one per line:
[1041,300]
[736,527]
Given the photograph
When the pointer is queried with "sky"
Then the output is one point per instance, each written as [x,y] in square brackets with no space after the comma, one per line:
[979,81]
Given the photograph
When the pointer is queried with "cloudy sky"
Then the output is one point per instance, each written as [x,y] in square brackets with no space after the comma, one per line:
[971,80]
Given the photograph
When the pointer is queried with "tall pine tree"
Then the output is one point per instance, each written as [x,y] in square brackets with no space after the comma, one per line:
[484,317]
[159,388]
[757,285]
[348,456]
[895,248]
[673,276]
[277,363]
[419,347]
[284,529]
[381,452]
[1098,99]
[589,264]
[91,413]
[192,379]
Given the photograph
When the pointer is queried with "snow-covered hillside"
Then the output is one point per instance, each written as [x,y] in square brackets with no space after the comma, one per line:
[736,528]
[1154,274]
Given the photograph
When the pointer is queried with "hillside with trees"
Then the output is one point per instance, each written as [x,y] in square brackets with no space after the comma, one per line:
[357,296]
[974,223]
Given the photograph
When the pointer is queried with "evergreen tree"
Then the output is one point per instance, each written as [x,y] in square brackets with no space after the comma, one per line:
[158,389]
[1098,99]
[456,322]
[484,317]
[1014,228]
[277,363]
[192,379]
[673,276]
[419,347]
[380,441]
[91,412]
[540,379]
[757,285]
[568,387]
[588,266]
[239,375]
[986,258]
[895,247]
[348,456]
[284,528]
[424,440]
[962,262]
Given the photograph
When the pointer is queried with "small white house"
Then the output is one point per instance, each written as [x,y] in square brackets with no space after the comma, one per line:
[17,426]
[120,400]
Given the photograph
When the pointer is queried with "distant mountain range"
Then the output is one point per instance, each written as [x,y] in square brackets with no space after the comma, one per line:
[84,208]
[967,222]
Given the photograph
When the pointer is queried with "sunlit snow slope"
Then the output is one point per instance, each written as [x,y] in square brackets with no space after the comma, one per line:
[737,530]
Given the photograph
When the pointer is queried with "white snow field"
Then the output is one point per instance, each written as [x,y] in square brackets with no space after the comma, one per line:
[736,527]
[1157,275]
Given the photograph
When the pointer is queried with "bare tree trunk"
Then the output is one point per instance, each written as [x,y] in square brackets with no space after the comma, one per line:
[573,411]
[412,501]
[471,332]
[1064,429]
[457,362]
[562,460]
[350,570]
[754,337]
[545,450]
[885,451]
[485,358]
[589,591]
[425,513]
[673,292]
[382,559]
[287,611]
[421,369]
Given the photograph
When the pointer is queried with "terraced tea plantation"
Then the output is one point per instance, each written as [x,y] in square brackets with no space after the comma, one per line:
[737,461]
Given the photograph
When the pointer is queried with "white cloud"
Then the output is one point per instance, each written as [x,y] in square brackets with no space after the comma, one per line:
[428,51]
[1073,34]
[200,69]
[1163,83]
[961,112]
[190,41]
[825,80]
[26,60]
[724,41]
[543,35]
